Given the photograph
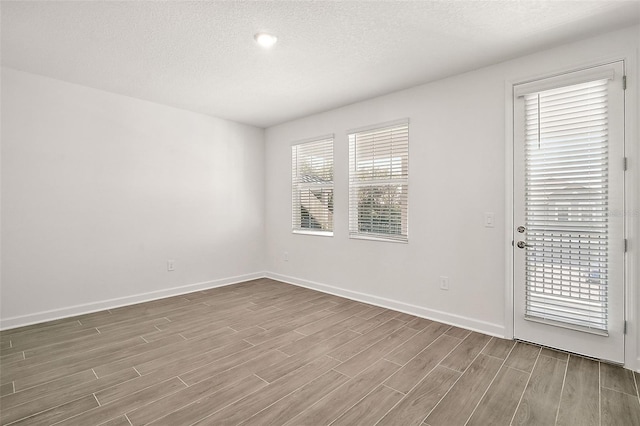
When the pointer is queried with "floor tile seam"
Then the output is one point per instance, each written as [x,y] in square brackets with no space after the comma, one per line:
[428,346]
[329,395]
[200,398]
[395,363]
[97,353]
[138,390]
[54,342]
[226,369]
[618,391]
[290,393]
[48,381]
[524,390]
[356,403]
[564,380]
[455,371]
[422,379]
[376,342]
[51,408]
[391,389]
[490,383]
[146,402]
[223,407]
[599,394]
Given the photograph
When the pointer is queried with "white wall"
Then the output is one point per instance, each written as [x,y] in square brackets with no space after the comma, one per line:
[458,170]
[99,190]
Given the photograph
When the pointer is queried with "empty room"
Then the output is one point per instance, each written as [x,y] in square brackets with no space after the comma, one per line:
[311,213]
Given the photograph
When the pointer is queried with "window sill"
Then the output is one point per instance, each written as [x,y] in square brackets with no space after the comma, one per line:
[310,232]
[378,238]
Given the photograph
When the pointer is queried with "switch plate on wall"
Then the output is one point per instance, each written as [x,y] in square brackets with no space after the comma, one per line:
[444,283]
[171,265]
[489,220]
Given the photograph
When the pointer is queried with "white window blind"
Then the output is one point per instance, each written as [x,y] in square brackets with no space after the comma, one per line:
[566,196]
[379,183]
[312,186]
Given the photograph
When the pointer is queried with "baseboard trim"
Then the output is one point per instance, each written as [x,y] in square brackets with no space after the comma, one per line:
[432,314]
[72,311]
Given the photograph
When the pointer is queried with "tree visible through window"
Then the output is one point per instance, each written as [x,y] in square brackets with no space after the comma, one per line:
[378,182]
[312,186]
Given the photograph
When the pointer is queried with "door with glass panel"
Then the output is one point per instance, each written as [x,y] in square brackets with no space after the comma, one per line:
[568,236]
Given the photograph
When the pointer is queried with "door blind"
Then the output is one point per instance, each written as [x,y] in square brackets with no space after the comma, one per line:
[312,186]
[566,206]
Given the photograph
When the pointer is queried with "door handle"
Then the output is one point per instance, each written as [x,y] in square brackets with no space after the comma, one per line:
[522,244]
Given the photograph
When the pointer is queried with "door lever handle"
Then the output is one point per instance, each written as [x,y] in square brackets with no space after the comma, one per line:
[522,244]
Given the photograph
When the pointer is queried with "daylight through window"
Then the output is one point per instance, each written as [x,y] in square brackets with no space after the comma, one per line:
[379,182]
[312,186]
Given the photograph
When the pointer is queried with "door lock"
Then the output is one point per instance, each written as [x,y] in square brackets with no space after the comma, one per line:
[521,229]
[522,244]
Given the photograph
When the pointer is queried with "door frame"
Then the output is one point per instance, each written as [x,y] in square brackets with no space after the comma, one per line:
[631,190]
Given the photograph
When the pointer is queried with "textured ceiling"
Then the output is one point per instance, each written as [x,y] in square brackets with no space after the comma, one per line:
[201,56]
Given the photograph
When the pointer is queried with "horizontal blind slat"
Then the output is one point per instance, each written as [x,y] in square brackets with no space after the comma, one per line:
[378,183]
[566,204]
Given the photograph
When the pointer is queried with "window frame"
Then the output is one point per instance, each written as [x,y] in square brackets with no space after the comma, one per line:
[356,182]
[297,185]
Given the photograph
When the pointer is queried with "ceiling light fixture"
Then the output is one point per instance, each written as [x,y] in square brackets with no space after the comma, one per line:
[265,40]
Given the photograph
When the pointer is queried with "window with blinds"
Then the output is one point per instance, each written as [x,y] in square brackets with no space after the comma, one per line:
[312,186]
[566,212]
[379,182]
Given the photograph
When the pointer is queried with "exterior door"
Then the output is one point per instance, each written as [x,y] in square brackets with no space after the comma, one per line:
[568,241]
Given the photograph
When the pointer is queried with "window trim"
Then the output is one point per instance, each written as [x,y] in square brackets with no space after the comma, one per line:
[392,238]
[297,186]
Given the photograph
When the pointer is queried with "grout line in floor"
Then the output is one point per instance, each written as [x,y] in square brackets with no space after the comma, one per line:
[490,383]
[635,381]
[525,385]
[599,394]
[429,372]
[564,379]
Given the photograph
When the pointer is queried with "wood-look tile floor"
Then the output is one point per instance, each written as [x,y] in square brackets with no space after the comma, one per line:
[268,353]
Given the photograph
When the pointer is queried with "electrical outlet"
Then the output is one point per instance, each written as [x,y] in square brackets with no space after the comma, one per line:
[285,256]
[171,265]
[444,283]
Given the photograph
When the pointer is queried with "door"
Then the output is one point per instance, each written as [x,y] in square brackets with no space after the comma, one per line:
[568,248]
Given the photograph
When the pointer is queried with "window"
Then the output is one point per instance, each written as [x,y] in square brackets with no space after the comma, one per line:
[379,182]
[312,186]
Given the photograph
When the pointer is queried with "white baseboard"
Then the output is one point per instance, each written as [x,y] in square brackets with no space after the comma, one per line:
[432,314]
[496,330]
[21,321]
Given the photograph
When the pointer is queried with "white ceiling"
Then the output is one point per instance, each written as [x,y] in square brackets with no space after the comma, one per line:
[201,56]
